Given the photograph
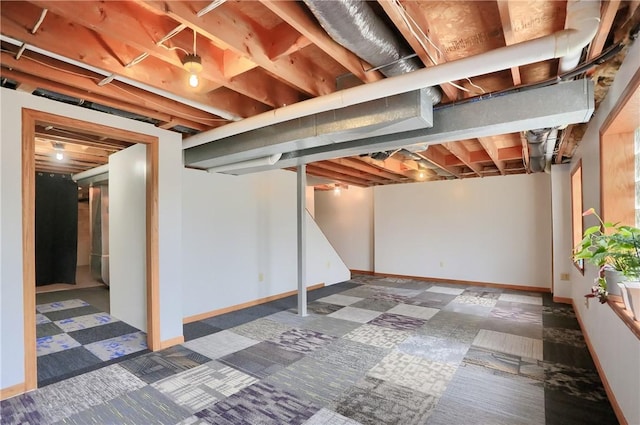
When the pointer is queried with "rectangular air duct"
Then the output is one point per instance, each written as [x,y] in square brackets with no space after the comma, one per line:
[390,115]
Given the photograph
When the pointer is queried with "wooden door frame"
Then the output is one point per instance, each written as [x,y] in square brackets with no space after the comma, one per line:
[30,118]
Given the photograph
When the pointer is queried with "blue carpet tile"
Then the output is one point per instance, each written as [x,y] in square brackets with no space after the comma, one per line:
[74,337]
[372,351]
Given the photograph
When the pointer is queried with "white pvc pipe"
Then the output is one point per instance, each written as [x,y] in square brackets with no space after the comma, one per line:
[553,46]
[206,108]
[101,169]
[582,21]
[267,160]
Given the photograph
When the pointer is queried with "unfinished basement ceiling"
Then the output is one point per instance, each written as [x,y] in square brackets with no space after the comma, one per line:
[259,56]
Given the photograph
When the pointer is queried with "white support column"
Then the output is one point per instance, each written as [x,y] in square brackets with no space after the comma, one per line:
[302,240]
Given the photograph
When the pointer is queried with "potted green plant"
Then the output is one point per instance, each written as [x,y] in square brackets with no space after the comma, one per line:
[616,246]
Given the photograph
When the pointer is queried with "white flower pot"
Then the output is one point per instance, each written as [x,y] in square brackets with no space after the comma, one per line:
[625,295]
[633,289]
[614,278]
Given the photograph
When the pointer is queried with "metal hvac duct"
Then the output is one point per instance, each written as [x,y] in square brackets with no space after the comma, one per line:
[354,25]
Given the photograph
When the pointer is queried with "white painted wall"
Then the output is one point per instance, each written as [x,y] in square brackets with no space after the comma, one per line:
[562,238]
[239,239]
[310,200]
[495,229]
[347,221]
[616,347]
[11,302]
[128,236]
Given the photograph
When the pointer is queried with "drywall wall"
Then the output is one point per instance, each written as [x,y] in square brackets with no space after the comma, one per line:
[495,230]
[170,179]
[561,212]
[347,221]
[128,236]
[239,239]
[310,200]
[616,347]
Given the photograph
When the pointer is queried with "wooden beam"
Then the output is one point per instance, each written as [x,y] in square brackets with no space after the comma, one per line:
[391,9]
[438,159]
[341,178]
[609,8]
[510,153]
[463,154]
[295,15]
[285,41]
[358,164]
[104,100]
[395,166]
[330,166]
[489,145]
[111,55]
[228,26]
[509,38]
[141,29]
[564,141]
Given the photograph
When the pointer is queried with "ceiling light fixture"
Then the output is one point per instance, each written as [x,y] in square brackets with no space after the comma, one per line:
[59,149]
[193,64]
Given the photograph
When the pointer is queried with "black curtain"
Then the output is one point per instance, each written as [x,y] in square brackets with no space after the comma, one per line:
[56,229]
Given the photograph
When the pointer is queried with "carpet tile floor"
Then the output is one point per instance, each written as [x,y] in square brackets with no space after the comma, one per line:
[74,337]
[372,351]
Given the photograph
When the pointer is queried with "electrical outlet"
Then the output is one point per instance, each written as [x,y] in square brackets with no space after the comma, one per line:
[260,277]
[564,276]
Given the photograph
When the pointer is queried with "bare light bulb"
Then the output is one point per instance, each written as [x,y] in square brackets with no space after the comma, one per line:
[421,175]
[193,80]
[336,191]
[59,156]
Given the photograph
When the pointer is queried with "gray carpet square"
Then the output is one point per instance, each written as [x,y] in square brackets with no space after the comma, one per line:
[506,363]
[314,380]
[353,355]
[152,367]
[565,336]
[20,410]
[331,326]
[292,319]
[47,329]
[102,332]
[574,381]
[442,350]
[71,312]
[197,329]
[302,340]
[220,344]
[328,417]
[141,407]
[375,402]
[56,365]
[261,329]
[452,325]
[261,360]
[378,336]
[261,404]
[477,396]
[529,330]
[414,372]
[397,321]
[73,395]
[322,308]
[375,305]
[464,306]
[201,387]
[564,409]
[431,299]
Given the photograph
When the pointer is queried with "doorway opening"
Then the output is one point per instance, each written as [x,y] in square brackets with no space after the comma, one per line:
[33,120]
